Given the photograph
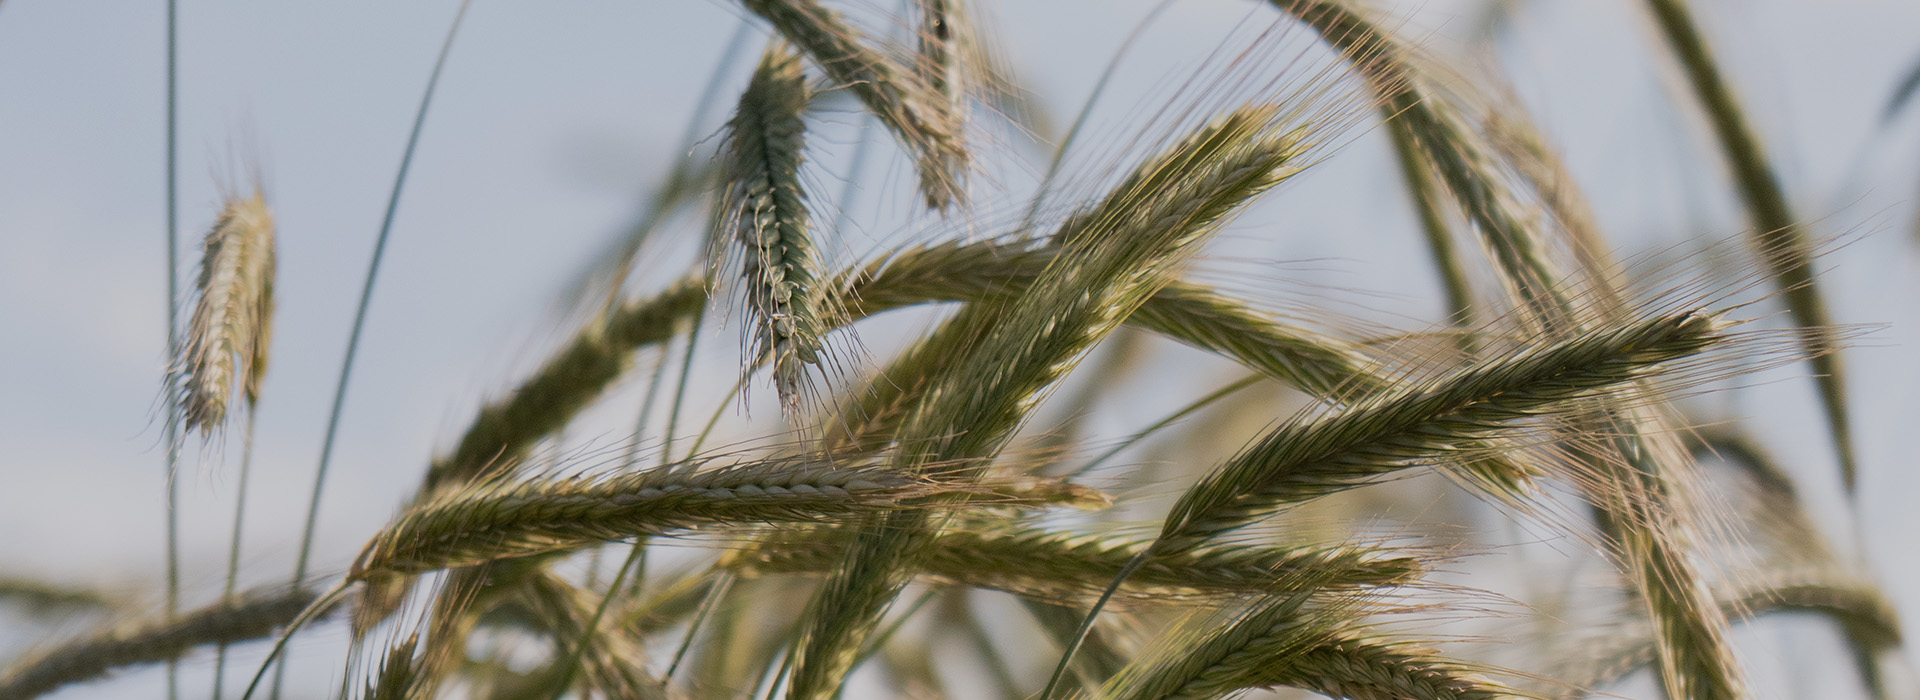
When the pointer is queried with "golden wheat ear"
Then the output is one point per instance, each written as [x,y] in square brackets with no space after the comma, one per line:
[226,341]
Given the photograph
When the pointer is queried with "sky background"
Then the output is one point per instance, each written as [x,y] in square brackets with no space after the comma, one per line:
[554,119]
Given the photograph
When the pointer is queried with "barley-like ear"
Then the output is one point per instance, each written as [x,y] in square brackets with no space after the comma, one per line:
[251,615]
[1360,665]
[396,679]
[1419,420]
[763,209]
[918,116]
[228,334]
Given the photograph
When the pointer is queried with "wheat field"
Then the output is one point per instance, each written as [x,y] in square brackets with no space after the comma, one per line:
[813,349]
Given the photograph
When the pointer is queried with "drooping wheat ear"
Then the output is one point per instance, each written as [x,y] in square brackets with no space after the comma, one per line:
[1420,420]
[1114,255]
[499,519]
[1054,565]
[918,116]
[1357,665]
[1777,233]
[398,673]
[42,597]
[251,615]
[763,209]
[228,333]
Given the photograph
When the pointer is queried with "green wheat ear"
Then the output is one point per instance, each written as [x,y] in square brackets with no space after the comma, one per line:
[763,221]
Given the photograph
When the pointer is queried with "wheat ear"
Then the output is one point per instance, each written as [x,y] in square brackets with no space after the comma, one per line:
[1025,560]
[1778,235]
[916,115]
[763,210]
[498,519]
[226,339]
[251,615]
[1418,420]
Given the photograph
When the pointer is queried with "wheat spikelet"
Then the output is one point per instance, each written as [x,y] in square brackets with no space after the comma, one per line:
[251,615]
[228,334]
[763,209]
[917,116]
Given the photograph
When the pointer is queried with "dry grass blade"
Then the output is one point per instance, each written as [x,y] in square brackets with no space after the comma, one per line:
[1113,257]
[252,615]
[763,210]
[226,340]
[1417,421]
[918,116]
[1778,236]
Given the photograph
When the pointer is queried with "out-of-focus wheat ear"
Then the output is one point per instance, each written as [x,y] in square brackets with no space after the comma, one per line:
[1864,614]
[1777,233]
[395,680]
[45,598]
[1430,202]
[226,336]
[763,211]
[917,115]
[1456,153]
[1115,255]
[251,615]
[1420,420]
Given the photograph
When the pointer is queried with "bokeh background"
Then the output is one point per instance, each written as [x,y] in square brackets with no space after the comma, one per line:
[554,121]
